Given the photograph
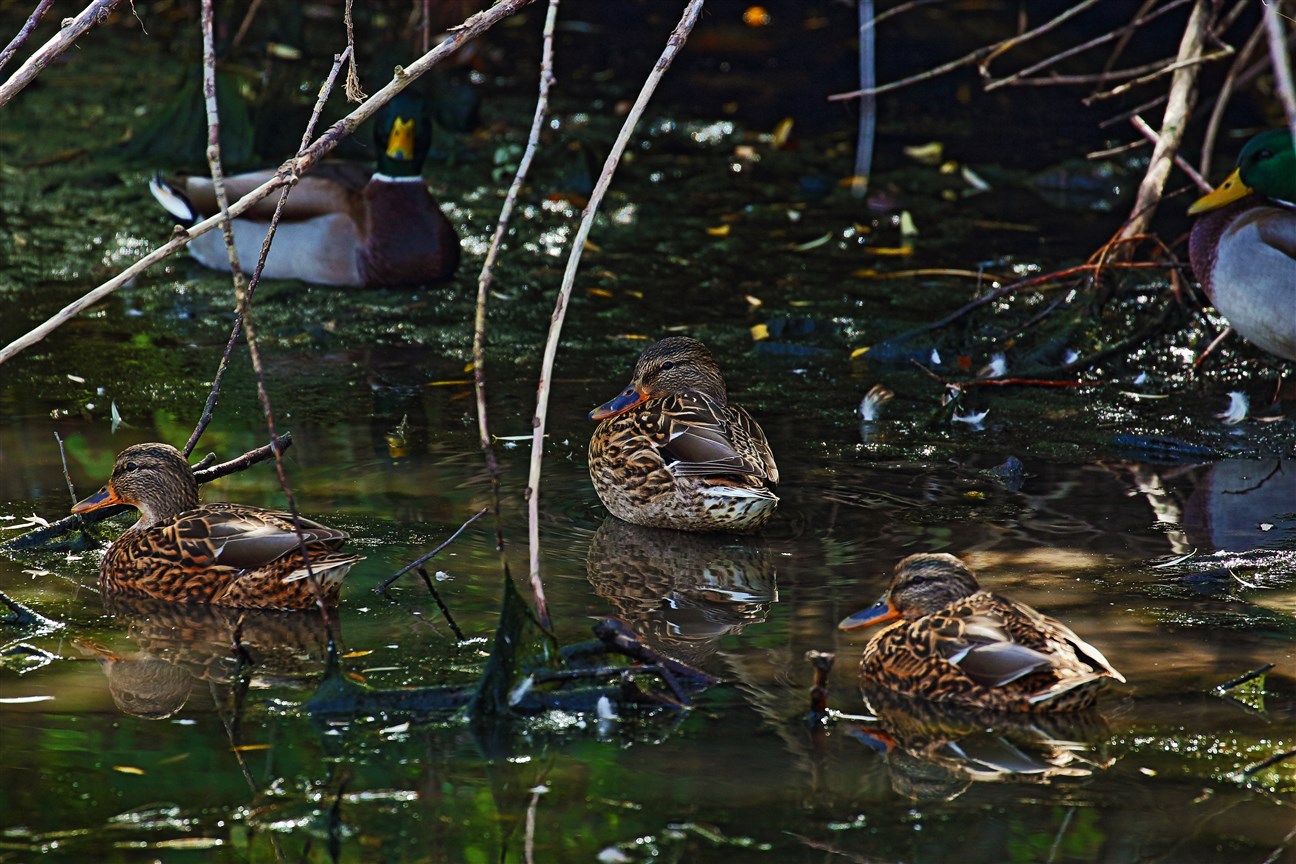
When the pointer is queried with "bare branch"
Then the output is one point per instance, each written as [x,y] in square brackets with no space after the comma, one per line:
[296,166]
[673,45]
[95,13]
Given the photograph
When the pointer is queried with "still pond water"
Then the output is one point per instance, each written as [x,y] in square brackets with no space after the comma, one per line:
[136,734]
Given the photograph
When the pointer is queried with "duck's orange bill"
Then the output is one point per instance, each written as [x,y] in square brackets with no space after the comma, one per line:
[1227,192]
[879,613]
[105,497]
[619,405]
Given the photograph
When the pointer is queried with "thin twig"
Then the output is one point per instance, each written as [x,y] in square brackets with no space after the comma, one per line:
[1272,760]
[354,92]
[445,610]
[95,13]
[981,56]
[21,38]
[1172,69]
[1242,679]
[424,558]
[1223,97]
[1281,62]
[294,167]
[676,41]
[67,475]
[501,226]
[1150,134]
[244,314]
[1178,109]
[1141,18]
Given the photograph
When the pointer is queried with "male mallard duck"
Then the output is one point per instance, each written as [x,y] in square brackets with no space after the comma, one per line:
[1244,250]
[342,224]
[672,452]
[223,554]
[954,642]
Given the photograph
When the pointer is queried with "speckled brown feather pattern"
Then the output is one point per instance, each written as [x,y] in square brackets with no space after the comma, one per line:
[979,648]
[672,451]
[217,553]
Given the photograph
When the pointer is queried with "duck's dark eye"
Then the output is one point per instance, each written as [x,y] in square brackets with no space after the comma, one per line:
[669,364]
[131,466]
[1265,154]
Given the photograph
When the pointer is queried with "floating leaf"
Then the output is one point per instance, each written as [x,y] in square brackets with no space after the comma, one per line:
[906,249]
[23,700]
[926,154]
[760,332]
[247,748]
[812,244]
[719,230]
[782,132]
[858,352]
[129,769]
[600,292]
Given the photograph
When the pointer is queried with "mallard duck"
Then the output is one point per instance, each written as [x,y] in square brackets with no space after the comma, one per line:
[342,224]
[1243,251]
[952,641]
[223,554]
[672,452]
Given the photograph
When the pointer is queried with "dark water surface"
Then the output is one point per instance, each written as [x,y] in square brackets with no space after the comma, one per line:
[135,733]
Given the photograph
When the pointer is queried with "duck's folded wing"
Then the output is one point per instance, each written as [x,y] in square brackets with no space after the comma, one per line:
[696,439]
[245,539]
[982,648]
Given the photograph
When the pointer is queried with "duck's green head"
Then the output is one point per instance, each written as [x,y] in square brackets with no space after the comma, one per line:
[402,133]
[1266,166]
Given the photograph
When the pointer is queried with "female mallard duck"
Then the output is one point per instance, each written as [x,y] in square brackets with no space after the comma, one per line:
[223,554]
[1243,251]
[954,642]
[342,224]
[672,452]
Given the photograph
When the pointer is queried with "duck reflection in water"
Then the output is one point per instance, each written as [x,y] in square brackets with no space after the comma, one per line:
[680,592]
[227,649]
[935,752]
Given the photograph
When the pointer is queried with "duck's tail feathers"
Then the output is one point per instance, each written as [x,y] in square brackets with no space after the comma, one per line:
[173,200]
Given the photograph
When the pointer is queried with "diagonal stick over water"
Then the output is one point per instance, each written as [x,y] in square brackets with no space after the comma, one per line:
[296,166]
[673,46]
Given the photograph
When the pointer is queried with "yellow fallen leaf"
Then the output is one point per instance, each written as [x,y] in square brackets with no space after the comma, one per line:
[451,382]
[756,16]
[352,654]
[469,366]
[760,332]
[889,250]
[635,293]
[858,352]
[782,132]
[866,273]
[755,302]
[591,246]
[247,748]
[600,292]
[719,231]
[949,167]
[927,154]
[128,769]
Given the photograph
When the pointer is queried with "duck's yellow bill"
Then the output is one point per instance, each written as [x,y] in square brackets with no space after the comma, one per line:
[400,142]
[1227,192]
